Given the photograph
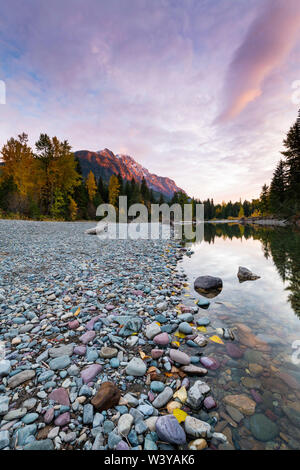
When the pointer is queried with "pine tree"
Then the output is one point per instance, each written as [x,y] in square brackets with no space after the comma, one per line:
[264,199]
[278,189]
[292,164]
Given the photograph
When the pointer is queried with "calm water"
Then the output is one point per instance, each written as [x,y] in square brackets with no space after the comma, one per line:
[265,317]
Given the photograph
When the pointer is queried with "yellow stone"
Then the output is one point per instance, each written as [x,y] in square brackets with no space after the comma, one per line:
[198,444]
[181,394]
[173,405]
[180,415]
[77,312]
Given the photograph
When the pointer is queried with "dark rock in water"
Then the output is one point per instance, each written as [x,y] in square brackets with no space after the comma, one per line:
[208,286]
[169,430]
[262,428]
[107,397]
[244,274]
[234,351]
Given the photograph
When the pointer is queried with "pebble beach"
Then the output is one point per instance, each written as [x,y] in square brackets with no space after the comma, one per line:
[103,346]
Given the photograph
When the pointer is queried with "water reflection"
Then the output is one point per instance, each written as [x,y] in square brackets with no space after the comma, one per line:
[279,243]
[258,364]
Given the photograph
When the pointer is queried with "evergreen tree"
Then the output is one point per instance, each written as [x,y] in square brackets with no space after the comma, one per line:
[264,199]
[292,164]
[278,189]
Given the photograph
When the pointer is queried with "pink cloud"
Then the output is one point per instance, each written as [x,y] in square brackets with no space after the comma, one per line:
[268,42]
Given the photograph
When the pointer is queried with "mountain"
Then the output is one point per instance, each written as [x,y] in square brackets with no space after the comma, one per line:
[104,163]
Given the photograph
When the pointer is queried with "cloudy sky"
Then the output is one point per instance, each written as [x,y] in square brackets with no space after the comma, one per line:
[197,90]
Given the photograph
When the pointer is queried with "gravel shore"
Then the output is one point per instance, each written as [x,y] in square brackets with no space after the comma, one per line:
[76,313]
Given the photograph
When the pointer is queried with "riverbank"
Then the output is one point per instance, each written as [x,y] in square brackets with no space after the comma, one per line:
[76,312]
[252,220]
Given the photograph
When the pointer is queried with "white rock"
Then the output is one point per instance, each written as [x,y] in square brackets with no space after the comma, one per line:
[124,424]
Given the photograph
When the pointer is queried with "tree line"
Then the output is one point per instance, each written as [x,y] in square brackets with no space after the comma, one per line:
[47,183]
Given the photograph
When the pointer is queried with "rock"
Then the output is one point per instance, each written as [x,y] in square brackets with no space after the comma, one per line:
[262,428]
[169,430]
[203,303]
[61,396]
[30,418]
[4,439]
[157,353]
[4,401]
[198,444]
[203,321]
[181,394]
[108,353]
[196,394]
[209,403]
[49,415]
[136,367]
[124,424]
[157,387]
[163,398]
[251,382]
[201,341]
[44,444]
[195,427]
[235,414]
[151,423]
[233,351]
[194,370]
[247,338]
[210,363]
[62,419]
[60,363]
[90,373]
[185,328]
[87,337]
[122,446]
[29,403]
[179,356]
[64,350]
[208,285]
[5,367]
[80,350]
[244,274]
[163,339]
[173,405]
[88,414]
[107,397]
[20,378]
[162,306]
[152,330]
[15,414]
[243,403]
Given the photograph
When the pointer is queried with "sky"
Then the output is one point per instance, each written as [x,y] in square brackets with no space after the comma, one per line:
[201,91]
